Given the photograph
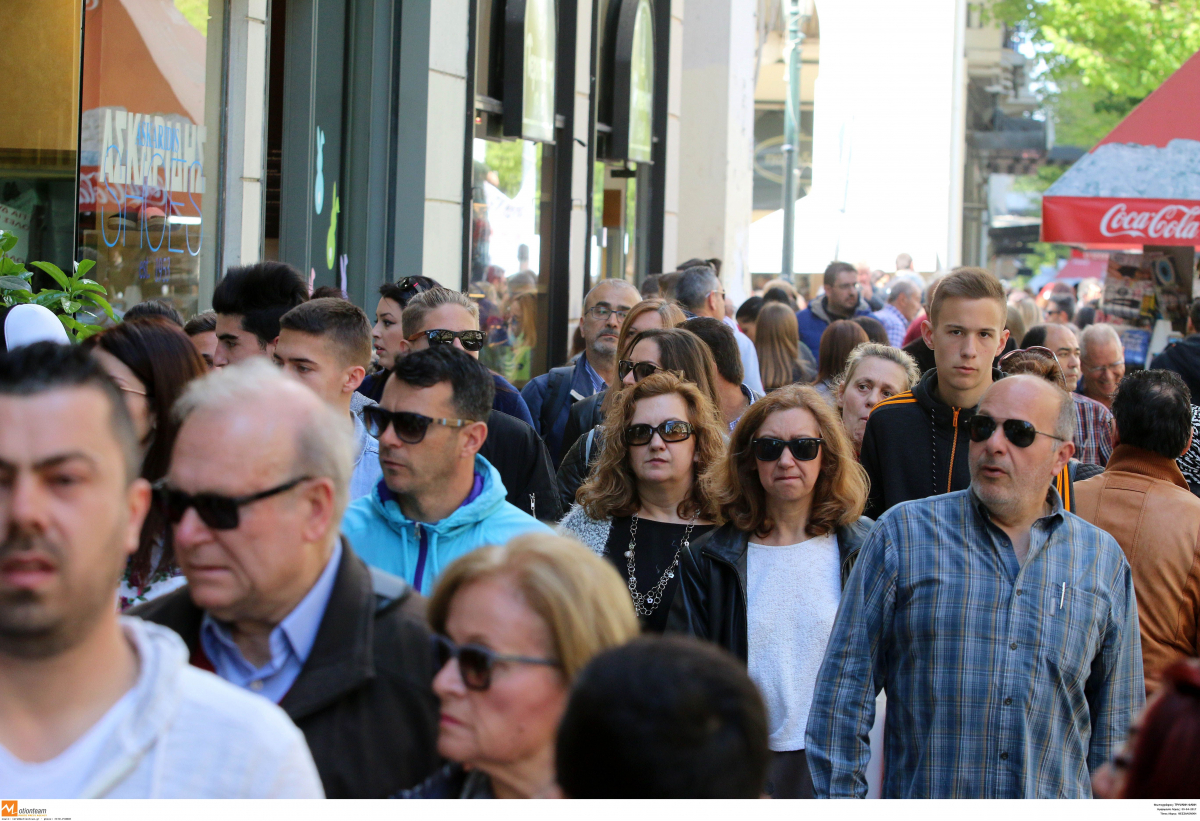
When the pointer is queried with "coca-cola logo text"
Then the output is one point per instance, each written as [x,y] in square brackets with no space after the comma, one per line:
[1178,221]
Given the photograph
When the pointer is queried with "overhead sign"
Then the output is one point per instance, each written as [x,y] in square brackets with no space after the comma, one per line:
[633,83]
[1119,220]
[530,29]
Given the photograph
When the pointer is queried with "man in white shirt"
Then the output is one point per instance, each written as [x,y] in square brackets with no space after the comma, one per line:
[93,705]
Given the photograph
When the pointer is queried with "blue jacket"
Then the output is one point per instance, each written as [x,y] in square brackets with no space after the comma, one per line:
[814,319]
[551,422]
[385,538]
[508,400]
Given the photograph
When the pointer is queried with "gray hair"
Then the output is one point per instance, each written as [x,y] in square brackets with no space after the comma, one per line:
[1099,333]
[1064,426]
[901,287]
[886,352]
[612,281]
[324,444]
[694,285]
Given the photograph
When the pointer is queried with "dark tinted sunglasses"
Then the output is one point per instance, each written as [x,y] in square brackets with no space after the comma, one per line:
[471,340]
[475,663]
[671,431]
[217,511]
[411,286]
[640,369]
[409,427]
[1017,431]
[804,449]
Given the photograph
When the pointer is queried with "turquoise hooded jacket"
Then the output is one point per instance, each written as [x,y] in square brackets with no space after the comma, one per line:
[418,552]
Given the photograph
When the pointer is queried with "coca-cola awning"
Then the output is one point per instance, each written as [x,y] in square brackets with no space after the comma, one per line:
[1141,184]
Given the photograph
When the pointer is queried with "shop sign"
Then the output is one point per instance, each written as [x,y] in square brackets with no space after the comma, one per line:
[1121,220]
[529,70]
[633,83]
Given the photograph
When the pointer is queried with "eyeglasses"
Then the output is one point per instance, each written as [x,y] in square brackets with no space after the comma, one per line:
[1017,431]
[1115,368]
[640,369]
[603,312]
[717,291]
[670,431]
[217,511]
[475,663]
[410,427]
[768,449]
[471,340]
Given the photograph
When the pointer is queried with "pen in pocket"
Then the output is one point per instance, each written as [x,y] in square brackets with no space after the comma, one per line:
[1062,597]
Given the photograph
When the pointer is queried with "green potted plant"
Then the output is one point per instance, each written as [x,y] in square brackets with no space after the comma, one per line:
[73,294]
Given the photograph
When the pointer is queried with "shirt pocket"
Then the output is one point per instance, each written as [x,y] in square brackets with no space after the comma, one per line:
[1073,628]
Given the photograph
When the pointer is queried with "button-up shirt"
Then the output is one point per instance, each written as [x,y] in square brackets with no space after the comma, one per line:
[1093,431]
[598,383]
[291,641]
[1003,679]
[894,323]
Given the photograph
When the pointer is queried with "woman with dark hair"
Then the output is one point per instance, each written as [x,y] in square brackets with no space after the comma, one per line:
[643,504]
[151,360]
[388,334]
[873,328]
[837,341]
[767,584]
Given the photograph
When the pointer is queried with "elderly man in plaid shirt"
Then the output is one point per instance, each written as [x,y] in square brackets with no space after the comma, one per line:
[1003,628]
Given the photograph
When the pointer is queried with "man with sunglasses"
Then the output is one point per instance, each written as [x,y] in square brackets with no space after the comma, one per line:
[1005,626]
[388,334]
[276,602]
[94,705]
[551,395]
[438,499]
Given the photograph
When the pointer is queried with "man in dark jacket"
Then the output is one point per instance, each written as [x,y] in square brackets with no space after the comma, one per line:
[1183,357]
[916,442]
[841,301]
[276,602]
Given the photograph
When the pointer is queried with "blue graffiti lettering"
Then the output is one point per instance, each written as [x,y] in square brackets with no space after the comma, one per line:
[191,196]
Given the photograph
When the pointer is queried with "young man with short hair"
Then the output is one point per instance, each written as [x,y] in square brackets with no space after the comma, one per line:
[249,301]
[915,444]
[326,344]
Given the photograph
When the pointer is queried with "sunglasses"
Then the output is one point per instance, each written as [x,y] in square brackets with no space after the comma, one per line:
[471,340]
[640,369]
[475,663]
[804,449]
[217,511]
[410,427]
[415,285]
[1017,431]
[671,431]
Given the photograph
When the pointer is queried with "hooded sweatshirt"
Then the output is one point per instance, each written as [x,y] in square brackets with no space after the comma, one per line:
[418,551]
[182,732]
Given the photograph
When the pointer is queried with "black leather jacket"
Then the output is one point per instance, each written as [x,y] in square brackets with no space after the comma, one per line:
[711,600]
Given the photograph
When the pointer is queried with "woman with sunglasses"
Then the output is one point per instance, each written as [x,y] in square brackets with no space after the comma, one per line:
[766,586]
[152,361]
[656,350]
[873,373]
[513,627]
[643,504]
[388,334]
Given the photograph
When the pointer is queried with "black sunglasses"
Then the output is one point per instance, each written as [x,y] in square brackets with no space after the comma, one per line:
[671,431]
[217,511]
[804,449]
[415,285]
[409,427]
[471,340]
[640,369]
[1017,431]
[475,663]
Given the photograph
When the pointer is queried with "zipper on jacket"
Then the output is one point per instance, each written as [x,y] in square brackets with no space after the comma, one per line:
[953,448]
[533,505]
[422,555]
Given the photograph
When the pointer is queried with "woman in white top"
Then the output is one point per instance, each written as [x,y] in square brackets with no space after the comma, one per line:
[766,586]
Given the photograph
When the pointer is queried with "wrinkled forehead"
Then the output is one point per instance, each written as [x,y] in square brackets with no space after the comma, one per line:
[1029,398]
[620,295]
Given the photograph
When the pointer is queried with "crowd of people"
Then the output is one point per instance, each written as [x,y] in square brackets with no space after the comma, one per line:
[917,539]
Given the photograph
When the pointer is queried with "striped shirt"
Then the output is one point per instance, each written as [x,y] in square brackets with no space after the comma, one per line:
[1003,680]
[1093,431]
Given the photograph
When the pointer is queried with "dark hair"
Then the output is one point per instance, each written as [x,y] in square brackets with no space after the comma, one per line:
[684,353]
[156,308]
[663,717]
[413,286]
[260,294]
[748,310]
[694,285]
[837,341]
[781,296]
[1153,411]
[470,383]
[1035,337]
[1064,303]
[201,324]
[1085,316]
[1166,753]
[722,344]
[42,367]
[343,322]
[1193,313]
[650,289]
[165,360]
[834,268]
[327,292]
[873,328]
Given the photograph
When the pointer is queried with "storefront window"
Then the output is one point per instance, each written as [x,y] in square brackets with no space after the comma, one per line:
[39,128]
[146,148]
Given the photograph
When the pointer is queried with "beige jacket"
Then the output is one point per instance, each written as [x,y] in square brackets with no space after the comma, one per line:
[1143,501]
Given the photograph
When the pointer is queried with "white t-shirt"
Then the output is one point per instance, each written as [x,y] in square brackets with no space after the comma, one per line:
[792,595]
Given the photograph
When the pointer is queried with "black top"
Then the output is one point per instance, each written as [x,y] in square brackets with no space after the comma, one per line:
[657,543]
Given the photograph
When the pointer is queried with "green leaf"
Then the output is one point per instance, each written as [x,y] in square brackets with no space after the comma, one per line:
[54,271]
[49,299]
[81,285]
[10,267]
[83,266]
[14,283]
[70,306]
[100,301]
[7,242]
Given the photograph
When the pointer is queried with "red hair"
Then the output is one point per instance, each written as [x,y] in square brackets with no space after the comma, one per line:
[1166,753]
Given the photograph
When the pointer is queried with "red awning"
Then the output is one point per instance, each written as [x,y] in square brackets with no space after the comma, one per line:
[1141,183]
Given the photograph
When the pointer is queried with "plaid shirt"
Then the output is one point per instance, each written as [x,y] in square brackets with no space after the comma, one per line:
[1093,431]
[1001,682]
[893,322]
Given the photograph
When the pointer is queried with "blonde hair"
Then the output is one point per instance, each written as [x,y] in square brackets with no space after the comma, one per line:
[429,301]
[840,494]
[777,341]
[579,596]
[611,490]
[671,314]
[885,352]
